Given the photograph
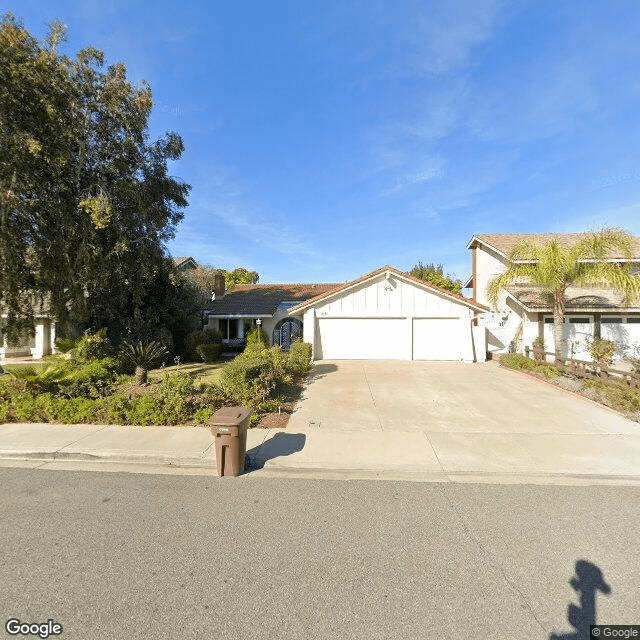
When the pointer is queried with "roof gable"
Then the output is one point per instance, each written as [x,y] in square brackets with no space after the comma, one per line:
[345,288]
[503,243]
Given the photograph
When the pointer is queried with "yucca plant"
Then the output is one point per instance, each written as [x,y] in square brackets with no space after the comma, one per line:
[142,356]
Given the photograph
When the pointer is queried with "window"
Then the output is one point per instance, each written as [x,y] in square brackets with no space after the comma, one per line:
[633,320]
[609,320]
[548,320]
[228,328]
[580,320]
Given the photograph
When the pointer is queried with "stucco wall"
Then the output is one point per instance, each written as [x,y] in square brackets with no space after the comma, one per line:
[488,265]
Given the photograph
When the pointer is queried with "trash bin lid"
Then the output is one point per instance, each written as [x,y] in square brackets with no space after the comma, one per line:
[231,415]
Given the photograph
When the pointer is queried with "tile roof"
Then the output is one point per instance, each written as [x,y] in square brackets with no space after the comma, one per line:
[263,299]
[373,274]
[578,299]
[505,242]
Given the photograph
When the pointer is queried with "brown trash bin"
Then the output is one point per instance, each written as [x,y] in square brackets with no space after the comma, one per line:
[229,430]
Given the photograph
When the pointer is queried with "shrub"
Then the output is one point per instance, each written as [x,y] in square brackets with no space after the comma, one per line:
[257,335]
[204,415]
[145,410]
[517,361]
[176,395]
[299,358]
[602,351]
[92,346]
[252,377]
[200,337]
[64,345]
[92,380]
[141,357]
[209,352]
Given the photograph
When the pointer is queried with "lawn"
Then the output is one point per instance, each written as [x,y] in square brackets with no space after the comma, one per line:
[203,373]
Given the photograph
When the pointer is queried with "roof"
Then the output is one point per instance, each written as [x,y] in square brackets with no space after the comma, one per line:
[533,298]
[183,262]
[377,272]
[503,243]
[260,300]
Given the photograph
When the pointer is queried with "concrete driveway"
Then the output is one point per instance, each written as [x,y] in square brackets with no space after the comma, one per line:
[455,418]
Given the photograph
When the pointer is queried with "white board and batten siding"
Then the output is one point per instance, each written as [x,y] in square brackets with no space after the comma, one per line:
[390,319]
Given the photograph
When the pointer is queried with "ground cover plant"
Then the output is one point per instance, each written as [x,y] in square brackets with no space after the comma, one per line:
[613,393]
[93,384]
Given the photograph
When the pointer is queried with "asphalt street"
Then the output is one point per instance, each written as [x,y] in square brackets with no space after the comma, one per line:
[115,555]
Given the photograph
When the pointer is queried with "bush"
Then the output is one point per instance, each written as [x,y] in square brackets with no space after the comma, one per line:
[140,358]
[517,361]
[200,337]
[257,335]
[92,346]
[64,345]
[209,352]
[252,377]
[299,358]
[602,351]
[204,415]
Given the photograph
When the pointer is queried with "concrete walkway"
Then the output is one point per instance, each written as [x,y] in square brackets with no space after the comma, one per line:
[403,420]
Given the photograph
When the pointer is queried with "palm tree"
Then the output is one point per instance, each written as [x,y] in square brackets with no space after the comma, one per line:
[554,266]
[142,356]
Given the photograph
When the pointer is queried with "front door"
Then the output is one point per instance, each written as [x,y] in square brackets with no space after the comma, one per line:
[287,332]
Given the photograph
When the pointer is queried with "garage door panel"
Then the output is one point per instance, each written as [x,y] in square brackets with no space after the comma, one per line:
[364,338]
[437,339]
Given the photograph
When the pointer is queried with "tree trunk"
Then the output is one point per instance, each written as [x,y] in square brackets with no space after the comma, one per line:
[141,376]
[558,323]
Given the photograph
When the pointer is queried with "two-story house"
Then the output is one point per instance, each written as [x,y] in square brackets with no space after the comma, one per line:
[524,311]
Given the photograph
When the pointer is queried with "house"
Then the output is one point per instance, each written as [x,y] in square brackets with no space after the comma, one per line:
[524,311]
[36,346]
[390,315]
[42,343]
[235,312]
[184,262]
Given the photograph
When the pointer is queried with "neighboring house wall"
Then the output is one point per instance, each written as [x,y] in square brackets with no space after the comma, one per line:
[41,344]
[512,327]
[488,264]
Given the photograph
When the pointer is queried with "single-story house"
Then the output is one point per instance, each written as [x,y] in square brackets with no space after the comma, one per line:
[183,263]
[244,306]
[524,312]
[40,344]
[385,314]
[390,315]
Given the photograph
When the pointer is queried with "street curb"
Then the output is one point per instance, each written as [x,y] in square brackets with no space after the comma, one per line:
[137,458]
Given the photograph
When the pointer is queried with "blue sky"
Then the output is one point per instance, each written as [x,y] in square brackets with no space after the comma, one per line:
[326,139]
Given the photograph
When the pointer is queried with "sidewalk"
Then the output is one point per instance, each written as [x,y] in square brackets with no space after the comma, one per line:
[331,453]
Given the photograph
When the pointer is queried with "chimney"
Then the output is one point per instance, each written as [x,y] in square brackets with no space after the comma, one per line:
[218,286]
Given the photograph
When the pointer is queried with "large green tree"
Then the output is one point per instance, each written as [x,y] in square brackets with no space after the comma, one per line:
[555,265]
[86,200]
[434,274]
[203,276]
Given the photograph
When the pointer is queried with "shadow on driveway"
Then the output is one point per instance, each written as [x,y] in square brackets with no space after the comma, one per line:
[282,444]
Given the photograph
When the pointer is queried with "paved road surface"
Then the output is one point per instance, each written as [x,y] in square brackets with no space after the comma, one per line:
[127,556]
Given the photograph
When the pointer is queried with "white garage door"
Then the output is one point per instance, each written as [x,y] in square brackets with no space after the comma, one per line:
[437,339]
[364,339]
[390,339]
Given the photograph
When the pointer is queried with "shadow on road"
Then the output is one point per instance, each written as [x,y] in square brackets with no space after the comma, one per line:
[587,581]
[282,444]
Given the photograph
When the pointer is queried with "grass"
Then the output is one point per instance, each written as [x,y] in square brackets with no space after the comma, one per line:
[203,373]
